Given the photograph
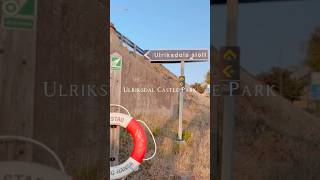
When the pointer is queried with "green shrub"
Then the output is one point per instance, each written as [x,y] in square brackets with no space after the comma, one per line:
[186,135]
[156,132]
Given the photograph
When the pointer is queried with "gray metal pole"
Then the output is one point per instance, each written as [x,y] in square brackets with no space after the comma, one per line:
[229,104]
[181,105]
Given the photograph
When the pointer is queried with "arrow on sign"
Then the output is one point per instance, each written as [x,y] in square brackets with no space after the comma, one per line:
[228,71]
[181,78]
[230,55]
[146,53]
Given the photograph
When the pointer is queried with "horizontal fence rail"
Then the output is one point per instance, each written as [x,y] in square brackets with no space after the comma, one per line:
[129,43]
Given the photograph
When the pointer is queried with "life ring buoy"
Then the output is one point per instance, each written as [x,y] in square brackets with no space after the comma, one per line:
[139,141]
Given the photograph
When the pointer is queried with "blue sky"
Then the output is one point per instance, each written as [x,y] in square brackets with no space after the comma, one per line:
[166,24]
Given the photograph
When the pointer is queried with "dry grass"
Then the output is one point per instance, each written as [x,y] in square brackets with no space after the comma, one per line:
[173,158]
[264,153]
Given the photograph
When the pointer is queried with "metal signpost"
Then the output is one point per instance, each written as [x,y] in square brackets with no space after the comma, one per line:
[182,86]
[182,57]
[230,56]
[19,14]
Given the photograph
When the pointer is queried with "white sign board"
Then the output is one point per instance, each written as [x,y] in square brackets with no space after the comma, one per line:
[176,56]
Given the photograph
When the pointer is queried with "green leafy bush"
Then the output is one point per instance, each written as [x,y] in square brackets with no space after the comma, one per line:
[186,135]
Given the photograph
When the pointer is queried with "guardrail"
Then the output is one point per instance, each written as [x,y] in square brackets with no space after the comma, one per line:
[128,42]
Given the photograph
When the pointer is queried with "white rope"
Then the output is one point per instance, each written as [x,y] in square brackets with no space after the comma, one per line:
[122,108]
[155,144]
[20,138]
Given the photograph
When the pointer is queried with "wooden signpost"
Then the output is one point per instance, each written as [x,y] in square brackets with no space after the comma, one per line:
[115,97]
[182,57]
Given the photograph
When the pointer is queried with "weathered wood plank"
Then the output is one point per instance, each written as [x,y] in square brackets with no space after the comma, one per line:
[115,97]
[17,80]
[72,52]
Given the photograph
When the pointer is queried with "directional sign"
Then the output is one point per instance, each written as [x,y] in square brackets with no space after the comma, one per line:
[230,63]
[116,61]
[176,56]
[182,81]
[19,14]
[227,71]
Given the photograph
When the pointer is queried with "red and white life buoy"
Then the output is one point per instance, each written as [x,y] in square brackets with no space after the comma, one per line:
[139,141]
